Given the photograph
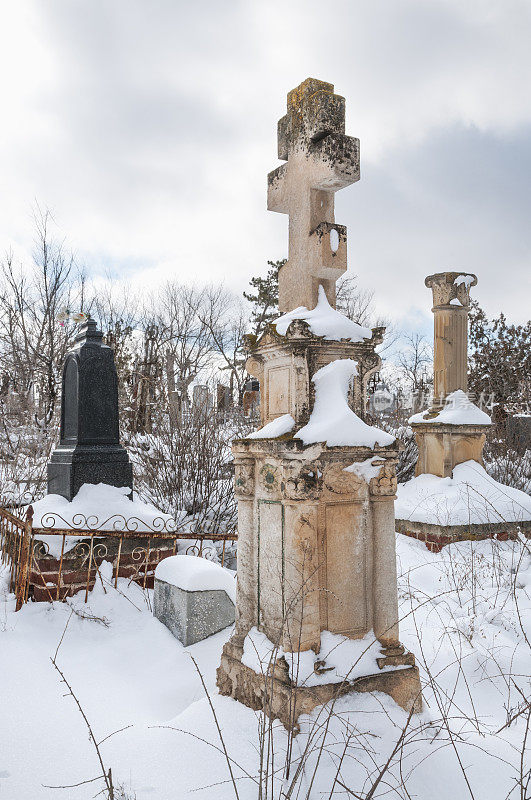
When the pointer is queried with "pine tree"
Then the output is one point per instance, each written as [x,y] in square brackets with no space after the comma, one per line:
[265,297]
[500,358]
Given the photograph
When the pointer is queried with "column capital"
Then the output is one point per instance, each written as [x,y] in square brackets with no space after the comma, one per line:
[451,288]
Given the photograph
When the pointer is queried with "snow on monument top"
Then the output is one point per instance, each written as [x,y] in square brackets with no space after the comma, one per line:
[332,421]
[469,497]
[324,321]
[195,574]
[458,410]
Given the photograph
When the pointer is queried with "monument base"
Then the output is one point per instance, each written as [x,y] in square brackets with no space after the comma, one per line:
[443,445]
[435,537]
[70,467]
[277,696]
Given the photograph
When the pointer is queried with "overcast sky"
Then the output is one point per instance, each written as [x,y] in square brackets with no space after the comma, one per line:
[148,127]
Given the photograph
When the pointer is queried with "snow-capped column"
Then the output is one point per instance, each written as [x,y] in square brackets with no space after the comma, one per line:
[451,303]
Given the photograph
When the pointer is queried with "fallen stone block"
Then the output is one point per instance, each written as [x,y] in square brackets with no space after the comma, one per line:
[194,597]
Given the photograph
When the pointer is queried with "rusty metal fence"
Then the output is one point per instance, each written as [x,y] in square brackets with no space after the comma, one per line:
[52,562]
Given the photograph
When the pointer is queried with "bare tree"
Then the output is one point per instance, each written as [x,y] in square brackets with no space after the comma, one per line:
[32,341]
[413,361]
[226,321]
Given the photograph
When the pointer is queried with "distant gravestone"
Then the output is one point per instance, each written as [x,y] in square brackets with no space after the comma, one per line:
[89,450]
[201,398]
[223,397]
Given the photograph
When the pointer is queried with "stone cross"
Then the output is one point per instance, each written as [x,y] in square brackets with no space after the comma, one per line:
[320,161]
[451,303]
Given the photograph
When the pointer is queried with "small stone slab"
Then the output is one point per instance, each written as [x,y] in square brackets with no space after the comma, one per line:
[192,614]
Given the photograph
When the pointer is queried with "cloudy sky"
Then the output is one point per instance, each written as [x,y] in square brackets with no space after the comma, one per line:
[148,128]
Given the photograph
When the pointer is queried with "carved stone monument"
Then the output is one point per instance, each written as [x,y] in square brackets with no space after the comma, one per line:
[89,450]
[451,433]
[443,444]
[316,540]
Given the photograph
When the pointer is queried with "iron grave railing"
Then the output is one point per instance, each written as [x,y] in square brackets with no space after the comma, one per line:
[51,562]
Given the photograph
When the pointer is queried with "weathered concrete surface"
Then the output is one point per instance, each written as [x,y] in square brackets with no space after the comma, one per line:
[279,698]
[192,616]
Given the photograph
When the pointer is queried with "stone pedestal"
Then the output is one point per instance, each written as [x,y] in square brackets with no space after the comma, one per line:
[316,552]
[442,446]
[275,693]
[89,449]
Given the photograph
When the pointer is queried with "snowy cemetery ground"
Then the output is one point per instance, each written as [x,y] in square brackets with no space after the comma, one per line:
[465,614]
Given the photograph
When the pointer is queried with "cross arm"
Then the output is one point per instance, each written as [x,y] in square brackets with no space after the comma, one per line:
[276,190]
[340,157]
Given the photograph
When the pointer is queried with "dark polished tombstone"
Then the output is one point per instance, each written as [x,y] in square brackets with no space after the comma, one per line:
[89,449]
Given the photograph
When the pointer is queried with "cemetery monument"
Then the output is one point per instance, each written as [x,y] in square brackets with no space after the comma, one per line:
[452,498]
[316,484]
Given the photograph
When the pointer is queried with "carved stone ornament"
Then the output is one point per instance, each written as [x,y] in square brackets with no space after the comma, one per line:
[445,289]
[385,484]
[301,480]
[298,329]
[244,478]
[338,481]
[269,474]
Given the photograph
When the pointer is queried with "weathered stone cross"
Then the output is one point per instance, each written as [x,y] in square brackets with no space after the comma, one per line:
[320,161]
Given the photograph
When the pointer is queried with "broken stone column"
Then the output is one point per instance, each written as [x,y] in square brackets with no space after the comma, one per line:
[89,450]
[444,441]
[316,539]
[453,430]
[451,304]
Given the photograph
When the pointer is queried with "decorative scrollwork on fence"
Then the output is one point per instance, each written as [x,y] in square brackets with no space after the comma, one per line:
[116,522]
[81,550]
[41,549]
[100,550]
[38,562]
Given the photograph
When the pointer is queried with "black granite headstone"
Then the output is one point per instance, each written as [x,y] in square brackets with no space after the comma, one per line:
[89,449]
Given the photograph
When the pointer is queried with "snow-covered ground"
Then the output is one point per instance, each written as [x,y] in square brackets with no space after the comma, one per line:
[469,497]
[463,612]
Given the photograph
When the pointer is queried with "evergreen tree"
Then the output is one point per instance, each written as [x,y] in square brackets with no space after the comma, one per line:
[265,297]
[500,358]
